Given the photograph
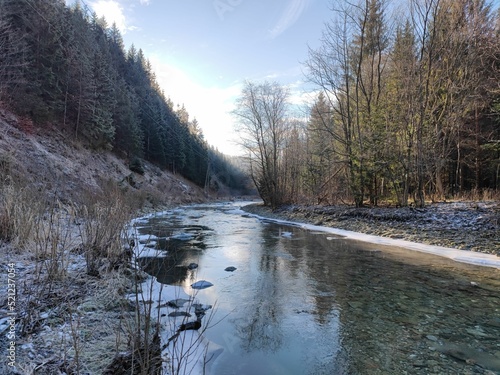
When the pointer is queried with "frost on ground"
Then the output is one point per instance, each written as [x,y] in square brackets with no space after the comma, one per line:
[75,322]
[472,226]
[86,321]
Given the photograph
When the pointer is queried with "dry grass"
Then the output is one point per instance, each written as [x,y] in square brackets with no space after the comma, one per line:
[69,245]
[477,195]
[20,206]
[83,325]
[78,318]
[60,222]
[52,238]
[102,225]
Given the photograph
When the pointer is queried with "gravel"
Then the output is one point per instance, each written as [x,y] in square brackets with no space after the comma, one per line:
[473,226]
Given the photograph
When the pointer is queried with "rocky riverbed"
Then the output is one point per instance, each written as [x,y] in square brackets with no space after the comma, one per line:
[424,328]
[473,226]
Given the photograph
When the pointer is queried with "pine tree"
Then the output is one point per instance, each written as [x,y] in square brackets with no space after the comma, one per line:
[321,134]
[66,65]
[402,109]
[13,52]
[100,127]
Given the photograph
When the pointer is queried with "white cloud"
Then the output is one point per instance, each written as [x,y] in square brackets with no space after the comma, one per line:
[145,2]
[289,17]
[112,11]
[302,101]
[211,106]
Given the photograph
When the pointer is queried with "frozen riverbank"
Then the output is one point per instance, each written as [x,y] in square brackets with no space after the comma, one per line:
[447,227]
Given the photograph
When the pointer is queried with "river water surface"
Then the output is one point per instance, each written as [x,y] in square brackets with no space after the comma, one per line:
[305,302]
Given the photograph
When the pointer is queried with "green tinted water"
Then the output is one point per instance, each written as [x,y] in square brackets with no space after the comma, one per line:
[302,302]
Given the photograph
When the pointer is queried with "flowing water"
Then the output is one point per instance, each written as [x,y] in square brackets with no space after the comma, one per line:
[304,302]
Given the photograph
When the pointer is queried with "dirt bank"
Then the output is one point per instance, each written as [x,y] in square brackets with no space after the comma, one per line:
[58,165]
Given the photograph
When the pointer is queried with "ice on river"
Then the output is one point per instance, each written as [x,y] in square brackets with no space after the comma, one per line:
[479,259]
[192,350]
[193,339]
[182,236]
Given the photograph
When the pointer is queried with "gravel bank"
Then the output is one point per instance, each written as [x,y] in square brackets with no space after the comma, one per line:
[473,226]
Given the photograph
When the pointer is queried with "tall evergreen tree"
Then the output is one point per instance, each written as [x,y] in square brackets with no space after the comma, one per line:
[401,107]
[321,150]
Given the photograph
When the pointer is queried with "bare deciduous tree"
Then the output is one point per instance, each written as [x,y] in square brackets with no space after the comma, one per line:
[261,111]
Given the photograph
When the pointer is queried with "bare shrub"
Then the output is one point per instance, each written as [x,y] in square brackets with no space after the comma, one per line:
[104,217]
[20,205]
[52,238]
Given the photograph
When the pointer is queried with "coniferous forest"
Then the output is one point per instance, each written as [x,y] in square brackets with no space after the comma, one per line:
[66,66]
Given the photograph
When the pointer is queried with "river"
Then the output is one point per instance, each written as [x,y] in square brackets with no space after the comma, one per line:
[309,302]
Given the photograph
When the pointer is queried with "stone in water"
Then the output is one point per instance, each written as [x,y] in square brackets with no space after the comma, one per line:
[202,284]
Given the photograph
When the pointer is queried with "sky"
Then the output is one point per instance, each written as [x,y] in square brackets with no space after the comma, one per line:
[202,51]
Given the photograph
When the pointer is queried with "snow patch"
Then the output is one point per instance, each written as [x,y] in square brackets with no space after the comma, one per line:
[193,350]
[151,253]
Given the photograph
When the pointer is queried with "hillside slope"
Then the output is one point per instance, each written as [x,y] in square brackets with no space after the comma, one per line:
[62,214]
[56,163]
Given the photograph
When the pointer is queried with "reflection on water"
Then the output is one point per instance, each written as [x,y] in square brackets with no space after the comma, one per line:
[308,303]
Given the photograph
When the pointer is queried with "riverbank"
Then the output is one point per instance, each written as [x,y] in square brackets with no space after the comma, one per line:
[62,202]
[472,226]
[85,320]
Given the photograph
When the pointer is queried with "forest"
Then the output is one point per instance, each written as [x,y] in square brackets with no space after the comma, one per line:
[406,110]
[63,65]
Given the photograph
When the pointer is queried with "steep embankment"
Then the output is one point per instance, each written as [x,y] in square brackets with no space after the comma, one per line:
[55,162]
